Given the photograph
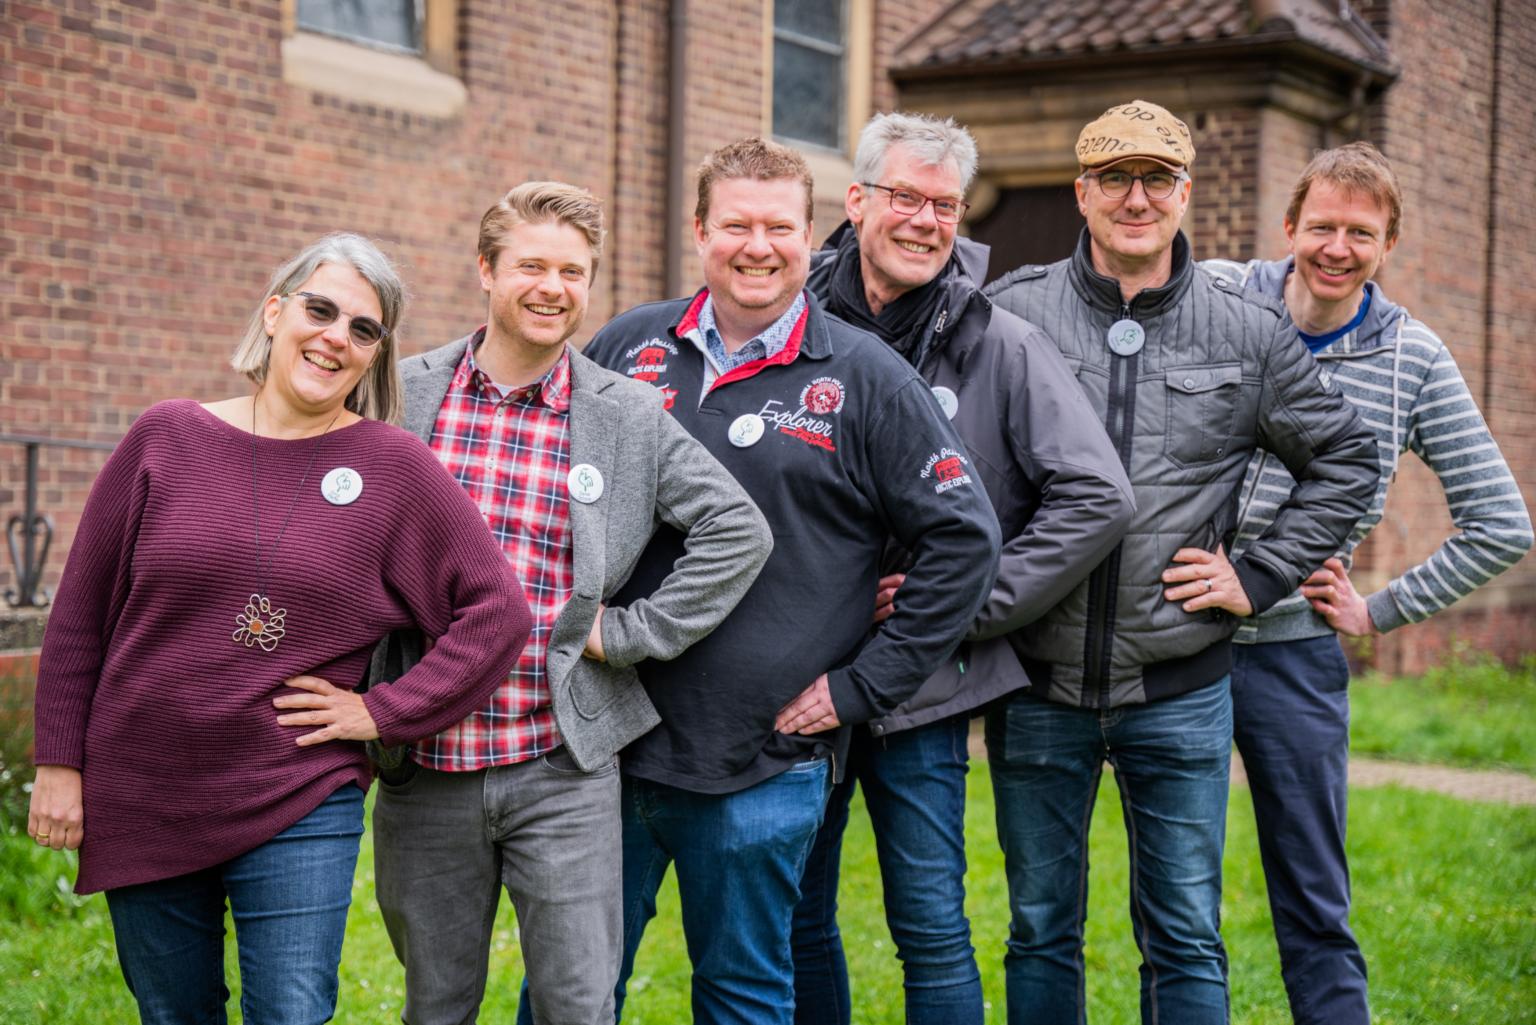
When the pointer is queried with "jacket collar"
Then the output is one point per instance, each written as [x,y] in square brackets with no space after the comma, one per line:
[1379,329]
[426,379]
[969,312]
[815,342]
[1104,292]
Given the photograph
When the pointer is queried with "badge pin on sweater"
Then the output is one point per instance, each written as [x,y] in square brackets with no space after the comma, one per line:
[342,486]
[1126,337]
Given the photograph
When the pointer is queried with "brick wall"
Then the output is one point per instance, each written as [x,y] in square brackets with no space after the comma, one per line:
[1221,218]
[155,168]
[1286,143]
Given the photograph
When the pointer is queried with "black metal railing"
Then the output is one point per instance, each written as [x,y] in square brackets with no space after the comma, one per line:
[29,534]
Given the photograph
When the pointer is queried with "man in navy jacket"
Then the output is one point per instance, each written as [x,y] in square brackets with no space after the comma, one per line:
[842,445]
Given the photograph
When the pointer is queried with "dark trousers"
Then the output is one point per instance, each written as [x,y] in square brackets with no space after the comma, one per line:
[1290,716]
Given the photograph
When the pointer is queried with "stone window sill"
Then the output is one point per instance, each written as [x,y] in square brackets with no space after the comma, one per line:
[379,79]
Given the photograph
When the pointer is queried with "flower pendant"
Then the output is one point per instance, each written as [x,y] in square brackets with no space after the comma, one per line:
[259,624]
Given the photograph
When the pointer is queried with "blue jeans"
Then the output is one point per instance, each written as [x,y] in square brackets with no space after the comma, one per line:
[1290,715]
[1172,761]
[739,859]
[289,898]
[914,788]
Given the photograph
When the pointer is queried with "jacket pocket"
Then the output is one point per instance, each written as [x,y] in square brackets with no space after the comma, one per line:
[595,686]
[1202,412]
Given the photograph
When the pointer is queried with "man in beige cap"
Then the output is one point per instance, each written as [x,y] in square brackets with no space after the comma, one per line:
[1188,375]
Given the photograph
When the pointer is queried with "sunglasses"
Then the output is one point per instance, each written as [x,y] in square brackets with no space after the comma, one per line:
[322,311]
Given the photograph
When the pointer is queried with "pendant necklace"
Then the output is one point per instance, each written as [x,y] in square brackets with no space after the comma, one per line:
[262,624]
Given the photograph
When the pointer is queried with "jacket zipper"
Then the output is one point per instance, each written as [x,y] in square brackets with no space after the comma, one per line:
[1099,639]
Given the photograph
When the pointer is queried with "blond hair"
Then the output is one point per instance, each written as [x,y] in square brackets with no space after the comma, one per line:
[539,203]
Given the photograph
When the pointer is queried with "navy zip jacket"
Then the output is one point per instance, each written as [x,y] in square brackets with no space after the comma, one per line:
[855,449]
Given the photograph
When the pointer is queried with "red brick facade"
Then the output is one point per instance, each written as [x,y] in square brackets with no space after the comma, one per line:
[155,166]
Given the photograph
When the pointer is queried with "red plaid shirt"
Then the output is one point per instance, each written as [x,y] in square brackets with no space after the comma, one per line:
[512,454]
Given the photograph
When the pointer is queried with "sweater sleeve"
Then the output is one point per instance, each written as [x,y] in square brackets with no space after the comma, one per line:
[1316,432]
[919,478]
[1086,500]
[726,541]
[1447,431]
[455,580]
[91,594]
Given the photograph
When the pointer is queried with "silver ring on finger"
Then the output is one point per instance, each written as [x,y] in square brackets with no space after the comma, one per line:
[1210,585]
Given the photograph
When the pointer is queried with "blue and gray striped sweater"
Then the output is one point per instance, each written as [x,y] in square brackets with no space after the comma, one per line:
[1403,380]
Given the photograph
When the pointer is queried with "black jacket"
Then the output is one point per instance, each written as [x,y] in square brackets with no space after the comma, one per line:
[1059,491]
[855,449]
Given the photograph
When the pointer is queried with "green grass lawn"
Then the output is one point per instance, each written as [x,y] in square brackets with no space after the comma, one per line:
[1475,713]
[1445,899]
[1445,911]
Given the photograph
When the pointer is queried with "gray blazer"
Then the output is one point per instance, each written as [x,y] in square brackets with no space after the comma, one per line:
[653,472]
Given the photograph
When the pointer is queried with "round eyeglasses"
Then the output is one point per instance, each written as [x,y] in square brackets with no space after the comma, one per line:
[322,311]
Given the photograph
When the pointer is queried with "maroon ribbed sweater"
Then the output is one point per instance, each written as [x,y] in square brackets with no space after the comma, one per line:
[141,686]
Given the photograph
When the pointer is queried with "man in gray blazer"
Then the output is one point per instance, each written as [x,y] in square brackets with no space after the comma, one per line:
[573,467]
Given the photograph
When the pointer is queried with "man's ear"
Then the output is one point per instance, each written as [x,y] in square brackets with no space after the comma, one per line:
[853,204]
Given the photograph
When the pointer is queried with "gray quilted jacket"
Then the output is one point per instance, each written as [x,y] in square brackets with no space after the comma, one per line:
[1221,373]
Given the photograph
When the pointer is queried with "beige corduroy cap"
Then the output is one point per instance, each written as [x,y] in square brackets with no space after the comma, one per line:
[1135,129]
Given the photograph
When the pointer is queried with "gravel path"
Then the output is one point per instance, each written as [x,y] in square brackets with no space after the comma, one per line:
[1496,786]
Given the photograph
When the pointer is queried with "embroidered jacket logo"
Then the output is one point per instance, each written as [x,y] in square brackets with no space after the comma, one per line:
[823,396]
[947,468]
[800,424]
[648,361]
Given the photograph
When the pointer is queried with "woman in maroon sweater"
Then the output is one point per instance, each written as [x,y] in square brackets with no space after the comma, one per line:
[198,738]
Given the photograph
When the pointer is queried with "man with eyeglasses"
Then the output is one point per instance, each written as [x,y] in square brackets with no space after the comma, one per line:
[1188,375]
[897,269]
[572,466]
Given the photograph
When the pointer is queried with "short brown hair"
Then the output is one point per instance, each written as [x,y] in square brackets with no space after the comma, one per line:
[1356,167]
[758,159]
[539,203]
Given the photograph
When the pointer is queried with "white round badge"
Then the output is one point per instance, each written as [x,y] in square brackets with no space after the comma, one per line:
[746,430]
[585,482]
[1126,337]
[342,486]
[949,402]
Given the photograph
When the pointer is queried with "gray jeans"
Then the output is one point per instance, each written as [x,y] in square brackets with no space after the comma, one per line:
[444,845]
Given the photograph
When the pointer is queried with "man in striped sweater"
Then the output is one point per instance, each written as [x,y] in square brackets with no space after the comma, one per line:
[1290,682]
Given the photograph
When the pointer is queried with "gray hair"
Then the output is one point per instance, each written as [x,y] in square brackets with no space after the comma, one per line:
[932,140]
[377,395]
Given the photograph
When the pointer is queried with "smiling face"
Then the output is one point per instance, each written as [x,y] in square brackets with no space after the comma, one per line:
[1339,240]
[756,250]
[1134,230]
[312,368]
[538,287]
[900,252]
